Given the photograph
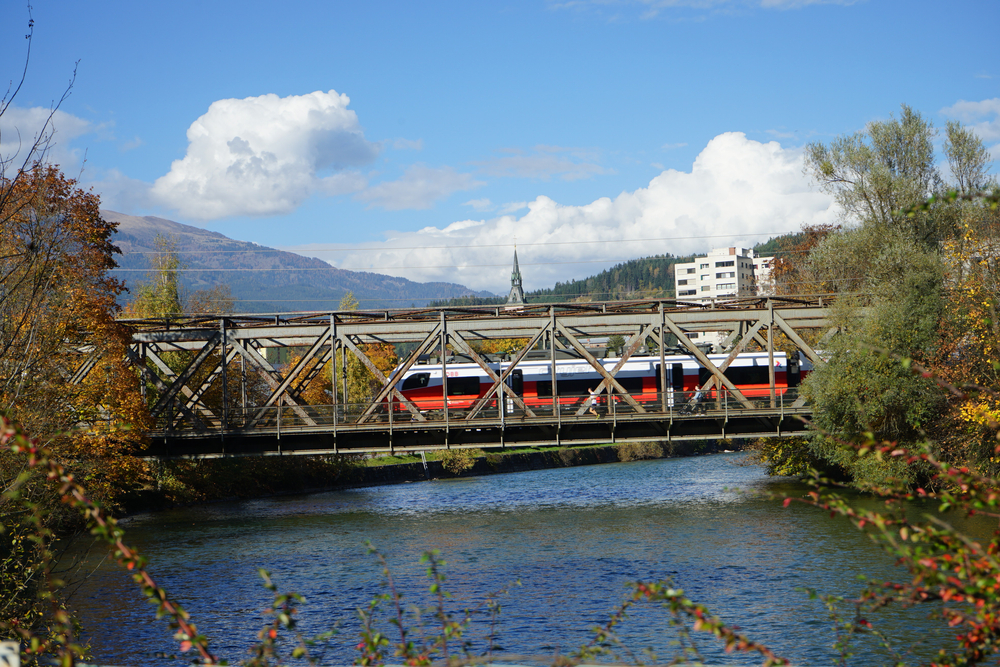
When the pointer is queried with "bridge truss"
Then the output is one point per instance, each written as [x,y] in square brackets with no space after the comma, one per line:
[216,387]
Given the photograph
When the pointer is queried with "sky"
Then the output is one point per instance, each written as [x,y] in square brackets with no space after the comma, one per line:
[425,140]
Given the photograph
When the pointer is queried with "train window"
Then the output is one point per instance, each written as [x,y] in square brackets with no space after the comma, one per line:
[739,375]
[631,385]
[416,381]
[463,386]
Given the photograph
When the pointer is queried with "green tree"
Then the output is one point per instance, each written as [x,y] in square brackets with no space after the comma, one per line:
[160,294]
[876,174]
[968,159]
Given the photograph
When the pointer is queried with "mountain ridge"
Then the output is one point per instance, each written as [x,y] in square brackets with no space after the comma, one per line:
[252,271]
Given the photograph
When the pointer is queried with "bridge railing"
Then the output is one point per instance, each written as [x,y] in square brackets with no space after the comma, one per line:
[350,416]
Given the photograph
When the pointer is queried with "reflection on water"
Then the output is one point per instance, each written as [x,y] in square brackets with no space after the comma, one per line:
[573,537]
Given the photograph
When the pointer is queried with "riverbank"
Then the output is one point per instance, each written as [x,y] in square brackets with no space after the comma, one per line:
[187,482]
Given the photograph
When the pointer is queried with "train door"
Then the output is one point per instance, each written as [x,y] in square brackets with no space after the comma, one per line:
[676,379]
[516,382]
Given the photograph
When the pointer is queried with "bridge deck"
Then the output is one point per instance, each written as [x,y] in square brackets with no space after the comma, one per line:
[410,436]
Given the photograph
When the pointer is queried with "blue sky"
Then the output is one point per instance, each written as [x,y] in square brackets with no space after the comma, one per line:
[421,140]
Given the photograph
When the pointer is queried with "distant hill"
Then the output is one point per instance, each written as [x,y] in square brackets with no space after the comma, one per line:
[649,277]
[267,280]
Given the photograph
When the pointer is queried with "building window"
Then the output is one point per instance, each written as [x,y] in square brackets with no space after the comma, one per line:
[703,266]
[705,288]
[691,335]
[682,282]
[687,292]
[722,286]
[729,263]
[726,274]
[705,277]
[689,271]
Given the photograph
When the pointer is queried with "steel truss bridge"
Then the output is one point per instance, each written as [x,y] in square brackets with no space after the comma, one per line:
[216,389]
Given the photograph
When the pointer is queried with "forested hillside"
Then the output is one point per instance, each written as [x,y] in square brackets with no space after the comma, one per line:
[648,277]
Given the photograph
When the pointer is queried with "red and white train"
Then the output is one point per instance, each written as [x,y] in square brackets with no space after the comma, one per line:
[575,377]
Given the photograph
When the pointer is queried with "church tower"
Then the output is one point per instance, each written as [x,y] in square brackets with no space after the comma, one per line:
[516,296]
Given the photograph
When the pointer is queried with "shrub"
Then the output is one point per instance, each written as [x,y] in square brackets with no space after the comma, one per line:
[636,451]
[457,461]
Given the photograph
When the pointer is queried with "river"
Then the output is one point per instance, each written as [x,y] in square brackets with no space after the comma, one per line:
[572,537]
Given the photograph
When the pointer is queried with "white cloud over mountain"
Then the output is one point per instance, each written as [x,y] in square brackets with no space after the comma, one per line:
[265,156]
[738,191]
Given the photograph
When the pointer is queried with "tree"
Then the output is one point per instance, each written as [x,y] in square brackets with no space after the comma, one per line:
[789,272]
[215,301]
[889,273]
[968,159]
[876,174]
[160,294]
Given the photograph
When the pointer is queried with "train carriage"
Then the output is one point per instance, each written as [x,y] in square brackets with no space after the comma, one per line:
[640,376]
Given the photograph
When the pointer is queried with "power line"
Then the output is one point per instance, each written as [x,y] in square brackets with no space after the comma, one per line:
[455,247]
[387,268]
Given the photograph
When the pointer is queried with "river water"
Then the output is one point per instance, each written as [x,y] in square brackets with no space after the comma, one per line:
[572,537]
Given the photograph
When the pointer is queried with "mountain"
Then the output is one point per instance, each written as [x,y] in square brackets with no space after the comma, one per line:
[262,279]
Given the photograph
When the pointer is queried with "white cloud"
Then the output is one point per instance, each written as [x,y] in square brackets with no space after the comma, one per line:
[121,193]
[670,147]
[20,128]
[419,188]
[737,192]
[265,155]
[513,206]
[544,162]
[983,117]
[479,204]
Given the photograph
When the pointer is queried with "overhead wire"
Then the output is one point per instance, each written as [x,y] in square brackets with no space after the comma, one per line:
[455,247]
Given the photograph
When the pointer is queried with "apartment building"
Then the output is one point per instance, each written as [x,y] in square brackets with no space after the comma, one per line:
[724,273]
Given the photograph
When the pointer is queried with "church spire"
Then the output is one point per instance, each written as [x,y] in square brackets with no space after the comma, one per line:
[516,296]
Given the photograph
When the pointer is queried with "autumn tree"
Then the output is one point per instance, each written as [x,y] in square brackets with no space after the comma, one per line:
[57,314]
[217,300]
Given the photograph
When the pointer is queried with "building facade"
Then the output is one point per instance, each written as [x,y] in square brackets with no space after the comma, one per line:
[724,273]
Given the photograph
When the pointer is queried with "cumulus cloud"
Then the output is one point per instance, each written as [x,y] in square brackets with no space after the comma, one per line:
[265,155]
[983,117]
[20,128]
[738,191]
[544,162]
[419,188]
